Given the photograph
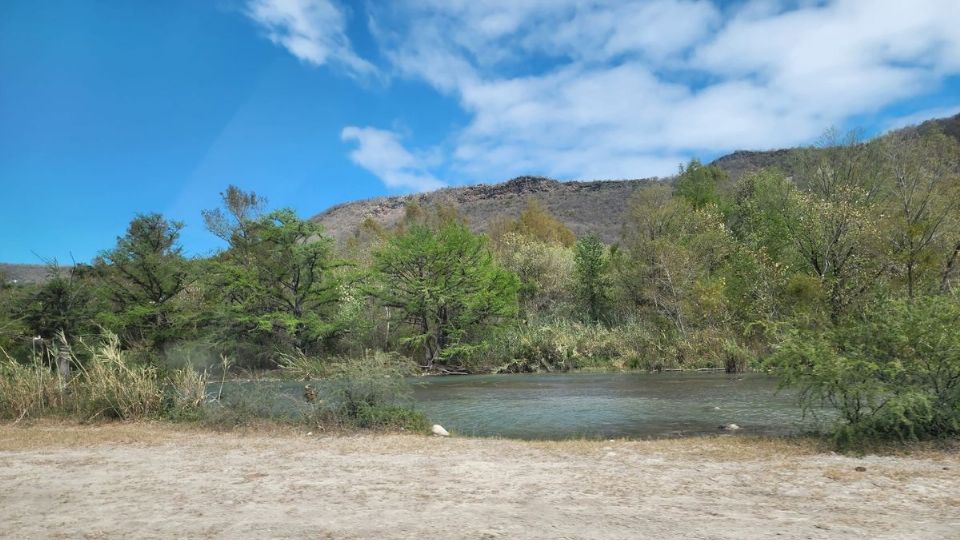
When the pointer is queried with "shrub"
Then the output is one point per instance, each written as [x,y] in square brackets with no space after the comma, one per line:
[892,374]
[369,392]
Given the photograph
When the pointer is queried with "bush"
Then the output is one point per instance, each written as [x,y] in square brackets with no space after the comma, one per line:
[369,392]
[893,374]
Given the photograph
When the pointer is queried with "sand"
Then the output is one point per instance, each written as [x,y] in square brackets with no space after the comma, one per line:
[161,481]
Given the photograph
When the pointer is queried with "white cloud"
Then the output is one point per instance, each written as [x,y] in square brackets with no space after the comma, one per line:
[312,30]
[380,152]
[626,89]
[617,88]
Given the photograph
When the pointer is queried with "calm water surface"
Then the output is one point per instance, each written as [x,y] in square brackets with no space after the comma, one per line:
[560,406]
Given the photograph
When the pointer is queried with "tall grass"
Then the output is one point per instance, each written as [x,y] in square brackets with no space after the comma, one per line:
[30,389]
[366,392]
[563,345]
[107,385]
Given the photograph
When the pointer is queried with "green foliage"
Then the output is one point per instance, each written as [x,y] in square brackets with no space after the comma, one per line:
[143,277]
[275,288]
[370,392]
[592,278]
[702,185]
[672,263]
[64,303]
[545,271]
[895,373]
[15,335]
[444,284]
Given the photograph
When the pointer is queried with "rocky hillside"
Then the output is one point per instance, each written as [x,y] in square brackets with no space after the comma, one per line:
[24,273]
[587,207]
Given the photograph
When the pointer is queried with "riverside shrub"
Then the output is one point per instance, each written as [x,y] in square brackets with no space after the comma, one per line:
[892,374]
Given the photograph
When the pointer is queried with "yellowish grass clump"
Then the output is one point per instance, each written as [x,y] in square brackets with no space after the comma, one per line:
[107,385]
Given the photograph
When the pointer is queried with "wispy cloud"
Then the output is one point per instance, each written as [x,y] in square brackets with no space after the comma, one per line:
[616,89]
[312,30]
[381,152]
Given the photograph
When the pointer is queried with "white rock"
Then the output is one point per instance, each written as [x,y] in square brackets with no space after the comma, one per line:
[439,431]
[729,427]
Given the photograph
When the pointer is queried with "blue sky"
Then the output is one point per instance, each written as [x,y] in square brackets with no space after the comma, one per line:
[110,108]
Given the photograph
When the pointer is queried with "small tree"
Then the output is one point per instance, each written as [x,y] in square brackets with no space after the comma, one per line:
[593,282]
[701,185]
[535,223]
[444,282]
[63,304]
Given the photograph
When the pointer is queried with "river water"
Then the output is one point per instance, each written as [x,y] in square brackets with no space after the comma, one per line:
[575,405]
[562,406]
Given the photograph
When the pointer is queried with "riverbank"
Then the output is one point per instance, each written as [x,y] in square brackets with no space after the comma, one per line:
[159,480]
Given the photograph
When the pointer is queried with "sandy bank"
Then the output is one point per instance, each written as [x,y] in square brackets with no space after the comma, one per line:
[155,481]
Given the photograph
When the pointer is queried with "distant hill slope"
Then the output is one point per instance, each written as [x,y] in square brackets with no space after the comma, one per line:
[24,273]
[587,207]
[743,161]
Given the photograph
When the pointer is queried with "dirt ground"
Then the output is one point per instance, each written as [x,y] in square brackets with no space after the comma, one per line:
[160,481]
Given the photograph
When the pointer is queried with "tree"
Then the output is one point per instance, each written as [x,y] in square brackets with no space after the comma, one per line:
[240,208]
[894,374]
[671,259]
[546,273]
[834,218]
[701,185]
[276,285]
[64,304]
[444,282]
[143,275]
[593,282]
[922,173]
[535,223]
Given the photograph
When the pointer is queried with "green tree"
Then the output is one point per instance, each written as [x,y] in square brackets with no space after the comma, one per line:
[834,219]
[671,260]
[276,287]
[592,277]
[546,273]
[143,277]
[13,330]
[444,282]
[65,304]
[702,185]
[922,176]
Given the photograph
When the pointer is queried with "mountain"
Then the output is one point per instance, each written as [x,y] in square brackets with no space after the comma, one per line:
[587,207]
[595,207]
